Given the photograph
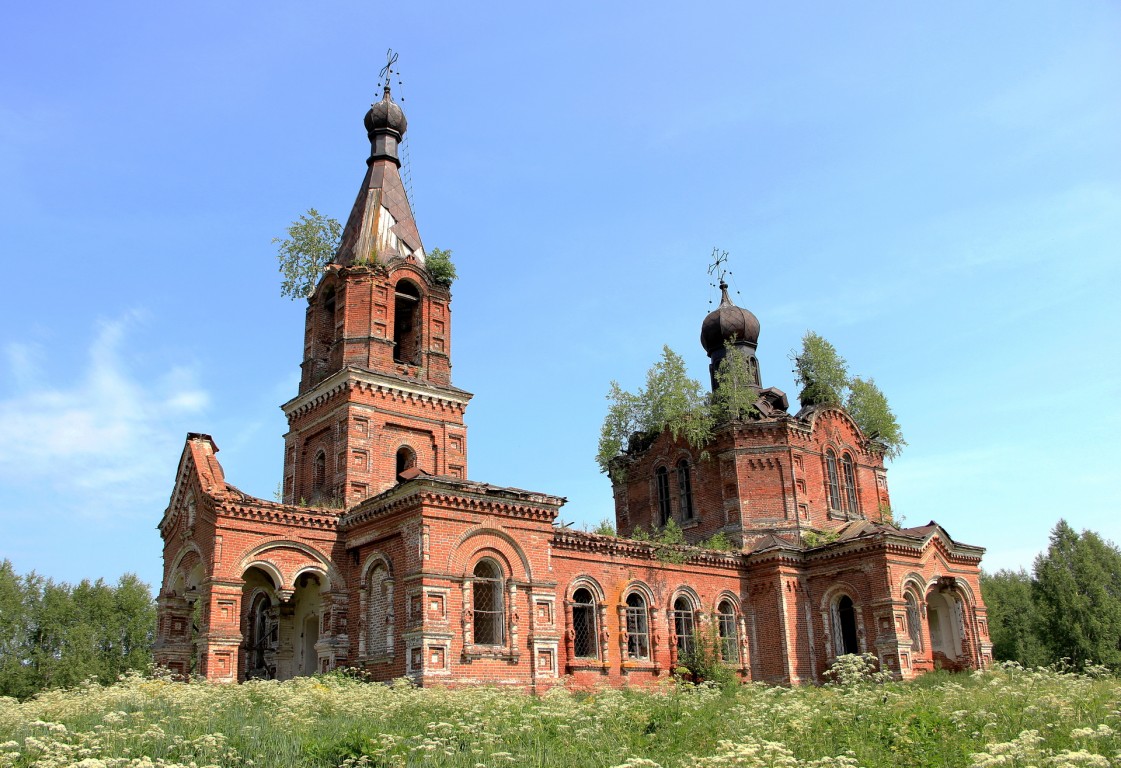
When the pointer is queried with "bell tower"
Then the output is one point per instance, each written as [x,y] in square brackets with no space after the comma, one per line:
[375,399]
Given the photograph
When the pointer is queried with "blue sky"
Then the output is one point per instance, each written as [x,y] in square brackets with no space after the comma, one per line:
[935,188]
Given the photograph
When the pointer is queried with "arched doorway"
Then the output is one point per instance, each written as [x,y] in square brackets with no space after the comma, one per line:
[847,638]
[281,628]
[943,621]
[310,638]
[260,626]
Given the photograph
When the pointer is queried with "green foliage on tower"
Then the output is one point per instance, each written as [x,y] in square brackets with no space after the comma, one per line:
[311,244]
[825,380]
[671,399]
[55,635]
[869,408]
[821,372]
[735,393]
[439,264]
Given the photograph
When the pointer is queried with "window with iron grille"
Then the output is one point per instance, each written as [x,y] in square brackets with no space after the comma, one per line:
[683,624]
[729,633]
[638,628]
[584,625]
[661,480]
[487,597]
[684,491]
[850,482]
[834,485]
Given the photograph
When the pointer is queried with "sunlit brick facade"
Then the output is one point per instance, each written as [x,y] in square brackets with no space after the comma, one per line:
[383,556]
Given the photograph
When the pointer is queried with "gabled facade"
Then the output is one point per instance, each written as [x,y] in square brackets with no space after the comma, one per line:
[385,557]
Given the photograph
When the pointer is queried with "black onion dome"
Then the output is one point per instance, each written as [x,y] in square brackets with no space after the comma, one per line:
[386,115]
[727,321]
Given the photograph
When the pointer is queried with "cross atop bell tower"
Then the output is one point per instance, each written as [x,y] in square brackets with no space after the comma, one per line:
[375,396]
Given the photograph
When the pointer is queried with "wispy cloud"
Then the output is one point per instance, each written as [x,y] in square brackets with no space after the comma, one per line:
[98,443]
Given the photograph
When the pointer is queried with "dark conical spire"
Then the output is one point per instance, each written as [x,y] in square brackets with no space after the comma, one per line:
[381,227]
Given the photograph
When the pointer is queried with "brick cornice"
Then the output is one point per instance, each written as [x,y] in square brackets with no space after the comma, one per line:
[582,541]
[351,377]
[458,495]
[263,511]
[895,544]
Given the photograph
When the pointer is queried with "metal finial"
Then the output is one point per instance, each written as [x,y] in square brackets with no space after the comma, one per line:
[387,71]
[719,259]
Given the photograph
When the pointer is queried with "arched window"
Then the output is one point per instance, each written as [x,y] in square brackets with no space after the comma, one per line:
[684,491]
[914,623]
[319,472]
[406,459]
[831,479]
[845,629]
[683,624]
[661,487]
[584,645]
[850,483]
[638,627]
[489,615]
[406,323]
[729,633]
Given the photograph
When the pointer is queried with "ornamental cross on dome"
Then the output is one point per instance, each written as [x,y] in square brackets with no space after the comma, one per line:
[387,70]
[717,267]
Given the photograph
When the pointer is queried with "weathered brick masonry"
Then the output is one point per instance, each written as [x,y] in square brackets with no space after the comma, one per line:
[384,556]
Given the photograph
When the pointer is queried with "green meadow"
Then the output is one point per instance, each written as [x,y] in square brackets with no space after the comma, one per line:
[1005,717]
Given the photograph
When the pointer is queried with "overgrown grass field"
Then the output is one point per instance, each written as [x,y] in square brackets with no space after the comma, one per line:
[1006,717]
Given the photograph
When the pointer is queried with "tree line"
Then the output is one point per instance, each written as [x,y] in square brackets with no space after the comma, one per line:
[1067,608]
[55,634]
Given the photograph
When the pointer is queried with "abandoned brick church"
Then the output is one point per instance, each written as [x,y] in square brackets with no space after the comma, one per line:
[386,558]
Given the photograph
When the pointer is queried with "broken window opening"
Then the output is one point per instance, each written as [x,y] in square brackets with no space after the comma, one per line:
[849,474]
[683,625]
[834,484]
[638,628]
[661,481]
[684,491]
[729,633]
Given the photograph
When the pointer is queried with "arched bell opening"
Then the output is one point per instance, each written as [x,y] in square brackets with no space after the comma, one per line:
[406,323]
